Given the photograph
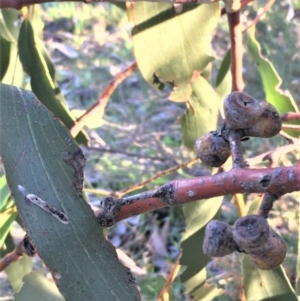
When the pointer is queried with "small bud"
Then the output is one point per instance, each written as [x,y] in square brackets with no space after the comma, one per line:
[264,246]
[241,110]
[218,239]
[212,149]
[267,125]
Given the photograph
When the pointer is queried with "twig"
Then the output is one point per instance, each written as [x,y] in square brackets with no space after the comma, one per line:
[169,282]
[234,138]
[235,32]
[276,153]
[23,247]
[290,127]
[160,174]
[129,154]
[99,191]
[266,204]
[257,18]
[290,116]
[98,108]
[276,181]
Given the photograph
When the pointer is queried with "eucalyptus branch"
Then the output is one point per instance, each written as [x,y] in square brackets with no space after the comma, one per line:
[23,247]
[276,181]
[236,50]
[289,116]
[98,108]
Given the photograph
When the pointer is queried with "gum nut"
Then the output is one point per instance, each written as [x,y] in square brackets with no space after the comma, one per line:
[212,149]
[250,232]
[272,254]
[267,125]
[218,239]
[241,110]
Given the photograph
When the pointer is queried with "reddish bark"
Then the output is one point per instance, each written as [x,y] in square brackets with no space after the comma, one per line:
[277,181]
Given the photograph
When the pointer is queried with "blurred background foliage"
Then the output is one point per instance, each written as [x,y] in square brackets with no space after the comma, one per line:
[141,133]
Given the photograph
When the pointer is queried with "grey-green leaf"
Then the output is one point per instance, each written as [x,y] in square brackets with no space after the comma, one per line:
[40,155]
[36,64]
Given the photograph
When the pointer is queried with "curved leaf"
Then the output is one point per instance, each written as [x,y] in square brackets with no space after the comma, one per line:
[173,47]
[283,102]
[9,24]
[42,84]
[16,270]
[201,116]
[14,74]
[4,193]
[4,56]
[40,155]
[6,219]
[197,215]
[224,77]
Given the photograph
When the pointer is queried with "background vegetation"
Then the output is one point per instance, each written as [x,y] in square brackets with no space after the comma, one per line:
[142,133]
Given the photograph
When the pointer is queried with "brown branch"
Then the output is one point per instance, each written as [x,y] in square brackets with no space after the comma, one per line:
[23,247]
[235,32]
[98,108]
[289,116]
[276,181]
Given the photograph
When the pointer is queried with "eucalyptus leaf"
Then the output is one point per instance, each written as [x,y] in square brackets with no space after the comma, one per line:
[282,101]
[17,270]
[173,46]
[41,158]
[36,63]
[197,215]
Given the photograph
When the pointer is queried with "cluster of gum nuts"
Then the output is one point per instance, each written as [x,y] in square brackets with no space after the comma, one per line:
[244,114]
[250,234]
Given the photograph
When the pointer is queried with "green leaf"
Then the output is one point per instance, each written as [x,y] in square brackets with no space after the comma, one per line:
[37,287]
[224,78]
[14,74]
[201,116]
[4,56]
[9,24]
[4,193]
[197,215]
[17,270]
[200,290]
[40,155]
[271,80]
[173,47]
[266,285]
[6,219]
[34,63]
